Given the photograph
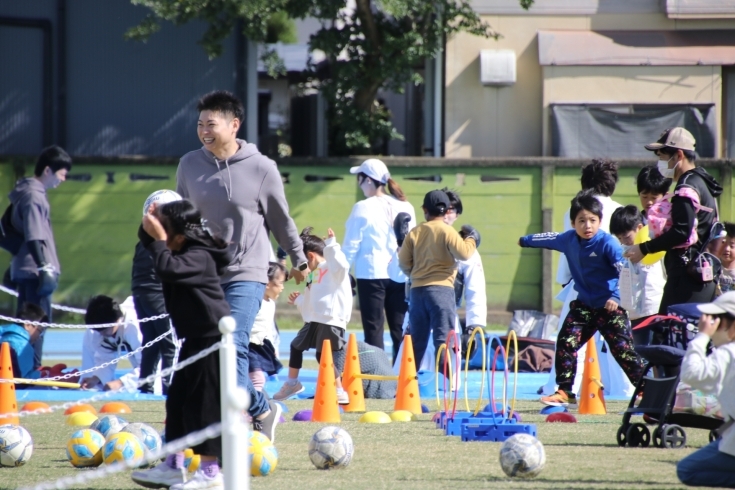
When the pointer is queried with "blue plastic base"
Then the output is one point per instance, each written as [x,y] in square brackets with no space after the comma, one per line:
[474,431]
[453,426]
[55,395]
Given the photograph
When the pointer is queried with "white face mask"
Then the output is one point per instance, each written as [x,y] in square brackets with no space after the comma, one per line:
[720,338]
[663,168]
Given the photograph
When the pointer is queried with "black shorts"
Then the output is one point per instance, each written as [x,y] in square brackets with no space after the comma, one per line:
[313,334]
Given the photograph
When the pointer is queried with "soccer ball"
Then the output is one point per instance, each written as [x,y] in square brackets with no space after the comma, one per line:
[522,456]
[109,425]
[160,197]
[263,455]
[122,447]
[84,448]
[16,445]
[146,435]
[331,447]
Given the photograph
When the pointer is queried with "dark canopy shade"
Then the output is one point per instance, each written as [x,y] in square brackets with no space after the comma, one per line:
[620,131]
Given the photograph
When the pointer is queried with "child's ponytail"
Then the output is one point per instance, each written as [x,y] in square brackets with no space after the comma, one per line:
[312,243]
[395,190]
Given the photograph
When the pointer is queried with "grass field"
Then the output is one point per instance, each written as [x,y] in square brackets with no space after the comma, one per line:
[406,456]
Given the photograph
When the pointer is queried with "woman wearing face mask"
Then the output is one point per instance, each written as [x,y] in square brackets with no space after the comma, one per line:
[676,157]
[714,464]
[370,244]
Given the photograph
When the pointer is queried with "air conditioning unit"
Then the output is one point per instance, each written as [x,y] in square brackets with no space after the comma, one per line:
[497,67]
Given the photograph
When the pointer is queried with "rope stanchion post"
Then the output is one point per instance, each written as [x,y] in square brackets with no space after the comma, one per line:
[234,401]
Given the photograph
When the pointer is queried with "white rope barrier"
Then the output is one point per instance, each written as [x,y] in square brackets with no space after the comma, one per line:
[21,321]
[141,382]
[178,445]
[95,368]
[69,309]
[232,428]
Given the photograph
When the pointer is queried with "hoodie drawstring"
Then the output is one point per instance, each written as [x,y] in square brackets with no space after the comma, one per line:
[228,190]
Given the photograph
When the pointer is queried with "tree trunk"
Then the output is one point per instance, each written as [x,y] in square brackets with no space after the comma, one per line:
[365,95]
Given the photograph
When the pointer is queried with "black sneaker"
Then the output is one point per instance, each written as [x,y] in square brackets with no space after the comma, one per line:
[267,425]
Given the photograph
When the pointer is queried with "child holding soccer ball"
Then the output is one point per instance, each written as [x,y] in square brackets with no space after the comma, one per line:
[189,260]
[325,305]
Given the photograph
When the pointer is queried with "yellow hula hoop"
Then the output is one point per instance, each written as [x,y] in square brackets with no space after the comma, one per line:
[515,373]
[436,377]
[467,369]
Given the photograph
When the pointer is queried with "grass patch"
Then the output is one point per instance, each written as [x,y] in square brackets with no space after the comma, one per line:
[406,456]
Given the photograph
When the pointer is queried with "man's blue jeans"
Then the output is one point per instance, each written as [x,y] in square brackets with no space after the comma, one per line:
[431,312]
[27,294]
[244,298]
[707,467]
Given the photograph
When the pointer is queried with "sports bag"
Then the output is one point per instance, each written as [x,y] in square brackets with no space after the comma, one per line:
[10,238]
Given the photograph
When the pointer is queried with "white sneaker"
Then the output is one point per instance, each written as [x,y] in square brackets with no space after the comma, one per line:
[343,398]
[200,480]
[160,476]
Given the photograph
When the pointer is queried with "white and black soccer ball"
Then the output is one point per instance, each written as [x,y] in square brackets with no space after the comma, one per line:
[331,447]
[16,446]
[160,197]
[522,456]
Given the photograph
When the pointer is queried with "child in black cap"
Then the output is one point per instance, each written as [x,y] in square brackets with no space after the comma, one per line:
[428,257]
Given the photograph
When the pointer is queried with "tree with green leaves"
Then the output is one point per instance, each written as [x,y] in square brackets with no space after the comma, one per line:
[369,45]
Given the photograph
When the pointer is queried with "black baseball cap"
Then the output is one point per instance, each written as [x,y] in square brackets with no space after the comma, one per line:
[436,202]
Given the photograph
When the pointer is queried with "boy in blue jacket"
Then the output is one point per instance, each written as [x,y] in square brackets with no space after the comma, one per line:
[22,338]
[595,259]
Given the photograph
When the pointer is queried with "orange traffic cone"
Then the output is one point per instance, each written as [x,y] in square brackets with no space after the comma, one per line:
[8,402]
[351,383]
[325,408]
[592,399]
[407,395]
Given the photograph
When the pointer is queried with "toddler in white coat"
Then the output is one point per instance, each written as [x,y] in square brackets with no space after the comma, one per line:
[325,306]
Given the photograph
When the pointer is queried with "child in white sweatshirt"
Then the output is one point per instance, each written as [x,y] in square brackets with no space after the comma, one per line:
[714,464]
[325,306]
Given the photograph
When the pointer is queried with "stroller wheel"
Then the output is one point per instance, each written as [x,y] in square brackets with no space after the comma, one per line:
[622,435]
[638,435]
[713,436]
[673,437]
[657,441]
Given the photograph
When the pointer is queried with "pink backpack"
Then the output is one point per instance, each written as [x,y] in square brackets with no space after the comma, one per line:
[659,215]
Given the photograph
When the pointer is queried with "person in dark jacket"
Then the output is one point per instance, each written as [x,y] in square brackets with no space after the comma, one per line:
[675,150]
[595,258]
[190,261]
[35,268]
[148,299]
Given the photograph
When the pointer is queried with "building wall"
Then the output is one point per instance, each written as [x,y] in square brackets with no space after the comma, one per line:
[511,121]
[120,97]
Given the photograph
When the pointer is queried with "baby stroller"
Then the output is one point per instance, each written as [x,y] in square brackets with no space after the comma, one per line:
[654,396]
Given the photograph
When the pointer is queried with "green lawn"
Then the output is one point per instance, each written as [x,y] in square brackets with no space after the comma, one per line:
[407,456]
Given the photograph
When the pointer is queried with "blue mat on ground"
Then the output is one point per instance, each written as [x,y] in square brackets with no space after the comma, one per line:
[63,395]
[528,385]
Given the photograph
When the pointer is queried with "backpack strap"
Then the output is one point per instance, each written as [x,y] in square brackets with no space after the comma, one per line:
[692,195]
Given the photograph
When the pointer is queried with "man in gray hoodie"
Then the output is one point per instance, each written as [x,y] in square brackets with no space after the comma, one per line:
[240,192]
[35,268]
